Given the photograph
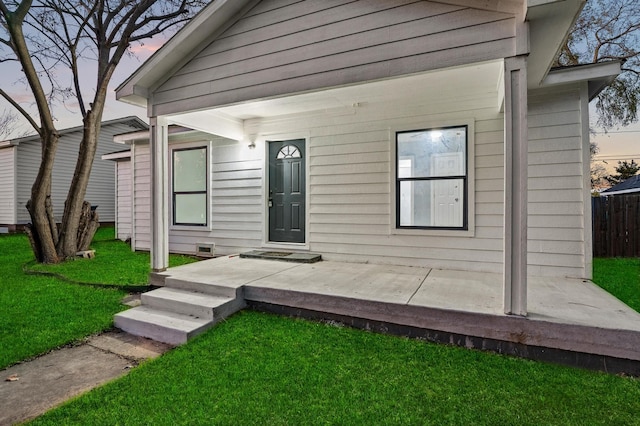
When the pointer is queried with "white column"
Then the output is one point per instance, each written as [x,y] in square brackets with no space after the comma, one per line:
[159,193]
[515,186]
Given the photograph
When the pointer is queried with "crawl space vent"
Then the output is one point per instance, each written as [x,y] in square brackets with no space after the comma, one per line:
[205,249]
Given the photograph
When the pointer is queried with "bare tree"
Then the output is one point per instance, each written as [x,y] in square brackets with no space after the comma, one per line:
[609,30]
[9,123]
[46,37]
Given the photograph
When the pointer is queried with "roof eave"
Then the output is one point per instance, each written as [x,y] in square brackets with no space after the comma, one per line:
[598,76]
[550,22]
[176,51]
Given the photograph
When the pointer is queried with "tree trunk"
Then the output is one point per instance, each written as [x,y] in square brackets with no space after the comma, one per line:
[87,227]
[43,230]
[71,229]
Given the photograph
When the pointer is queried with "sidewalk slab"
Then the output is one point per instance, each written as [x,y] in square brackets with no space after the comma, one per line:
[50,380]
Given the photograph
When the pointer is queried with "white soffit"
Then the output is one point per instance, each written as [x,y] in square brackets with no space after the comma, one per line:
[452,83]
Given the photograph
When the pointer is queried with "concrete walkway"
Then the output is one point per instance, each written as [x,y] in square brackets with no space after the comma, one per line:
[51,379]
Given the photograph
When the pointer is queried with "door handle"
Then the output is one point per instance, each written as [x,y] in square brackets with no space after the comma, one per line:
[270,202]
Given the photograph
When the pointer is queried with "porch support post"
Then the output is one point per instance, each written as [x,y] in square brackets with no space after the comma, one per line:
[159,131]
[515,186]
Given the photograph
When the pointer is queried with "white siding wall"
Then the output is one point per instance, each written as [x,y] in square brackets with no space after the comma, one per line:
[7,186]
[236,201]
[123,199]
[101,188]
[350,174]
[556,186]
[292,46]
[142,196]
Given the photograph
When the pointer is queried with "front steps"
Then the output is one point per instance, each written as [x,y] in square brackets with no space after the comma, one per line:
[174,314]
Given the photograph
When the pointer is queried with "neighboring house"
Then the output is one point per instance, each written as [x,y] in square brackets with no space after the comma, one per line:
[414,133]
[630,186]
[20,160]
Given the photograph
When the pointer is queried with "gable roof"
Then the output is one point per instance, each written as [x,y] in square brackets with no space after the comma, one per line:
[550,22]
[628,186]
[131,121]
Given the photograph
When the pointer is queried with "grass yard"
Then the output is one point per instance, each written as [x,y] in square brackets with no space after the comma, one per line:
[620,277]
[40,313]
[259,368]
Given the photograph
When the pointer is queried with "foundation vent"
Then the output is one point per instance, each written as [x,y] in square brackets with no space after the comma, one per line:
[205,249]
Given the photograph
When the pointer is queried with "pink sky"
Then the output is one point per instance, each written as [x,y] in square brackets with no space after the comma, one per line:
[617,144]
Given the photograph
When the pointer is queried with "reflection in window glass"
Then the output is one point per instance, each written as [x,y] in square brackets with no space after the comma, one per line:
[190,175]
[431,178]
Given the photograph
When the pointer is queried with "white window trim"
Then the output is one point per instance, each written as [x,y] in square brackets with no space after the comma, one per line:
[471,187]
[187,145]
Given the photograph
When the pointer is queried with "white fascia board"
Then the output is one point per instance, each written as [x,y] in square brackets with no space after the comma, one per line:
[133,137]
[622,191]
[583,73]
[190,38]
[7,144]
[550,22]
[597,75]
[115,156]
[215,123]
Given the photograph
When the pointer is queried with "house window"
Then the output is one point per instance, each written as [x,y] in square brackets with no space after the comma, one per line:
[431,178]
[189,190]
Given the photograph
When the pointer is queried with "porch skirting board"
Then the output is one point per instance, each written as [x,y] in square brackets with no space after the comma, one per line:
[571,321]
[572,358]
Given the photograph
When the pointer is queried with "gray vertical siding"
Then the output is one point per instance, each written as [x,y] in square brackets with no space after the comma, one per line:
[101,188]
[284,47]
[123,199]
[7,186]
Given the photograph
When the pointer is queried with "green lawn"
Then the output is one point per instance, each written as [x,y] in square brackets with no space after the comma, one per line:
[264,369]
[620,277]
[40,313]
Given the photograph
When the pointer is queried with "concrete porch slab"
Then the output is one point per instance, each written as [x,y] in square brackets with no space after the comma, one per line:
[573,319]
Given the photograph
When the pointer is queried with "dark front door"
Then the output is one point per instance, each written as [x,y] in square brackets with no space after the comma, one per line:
[286,191]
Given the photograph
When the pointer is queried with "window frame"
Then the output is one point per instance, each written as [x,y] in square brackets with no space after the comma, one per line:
[467,179]
[206,191]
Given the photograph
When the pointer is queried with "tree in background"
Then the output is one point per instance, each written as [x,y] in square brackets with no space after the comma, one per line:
[624,170]
[609,30]
[8,125]
[50,38]
[598,171]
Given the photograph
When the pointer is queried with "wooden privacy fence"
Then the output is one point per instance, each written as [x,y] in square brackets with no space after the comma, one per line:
[616,226]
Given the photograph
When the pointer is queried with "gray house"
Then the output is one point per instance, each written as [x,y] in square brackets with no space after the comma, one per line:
[20,159]
[414,133]
[630,186]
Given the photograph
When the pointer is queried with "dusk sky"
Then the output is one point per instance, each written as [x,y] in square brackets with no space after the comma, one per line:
[615,145]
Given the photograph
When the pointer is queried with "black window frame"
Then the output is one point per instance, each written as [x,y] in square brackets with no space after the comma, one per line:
[464,178]
[205,192]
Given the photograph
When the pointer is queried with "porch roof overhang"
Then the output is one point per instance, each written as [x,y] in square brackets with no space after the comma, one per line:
[117,156]
[549,22]
[454,84]
[598,76]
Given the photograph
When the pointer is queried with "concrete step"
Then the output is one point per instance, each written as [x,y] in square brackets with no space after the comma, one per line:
[202,287]
[163,326]
[191,303]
